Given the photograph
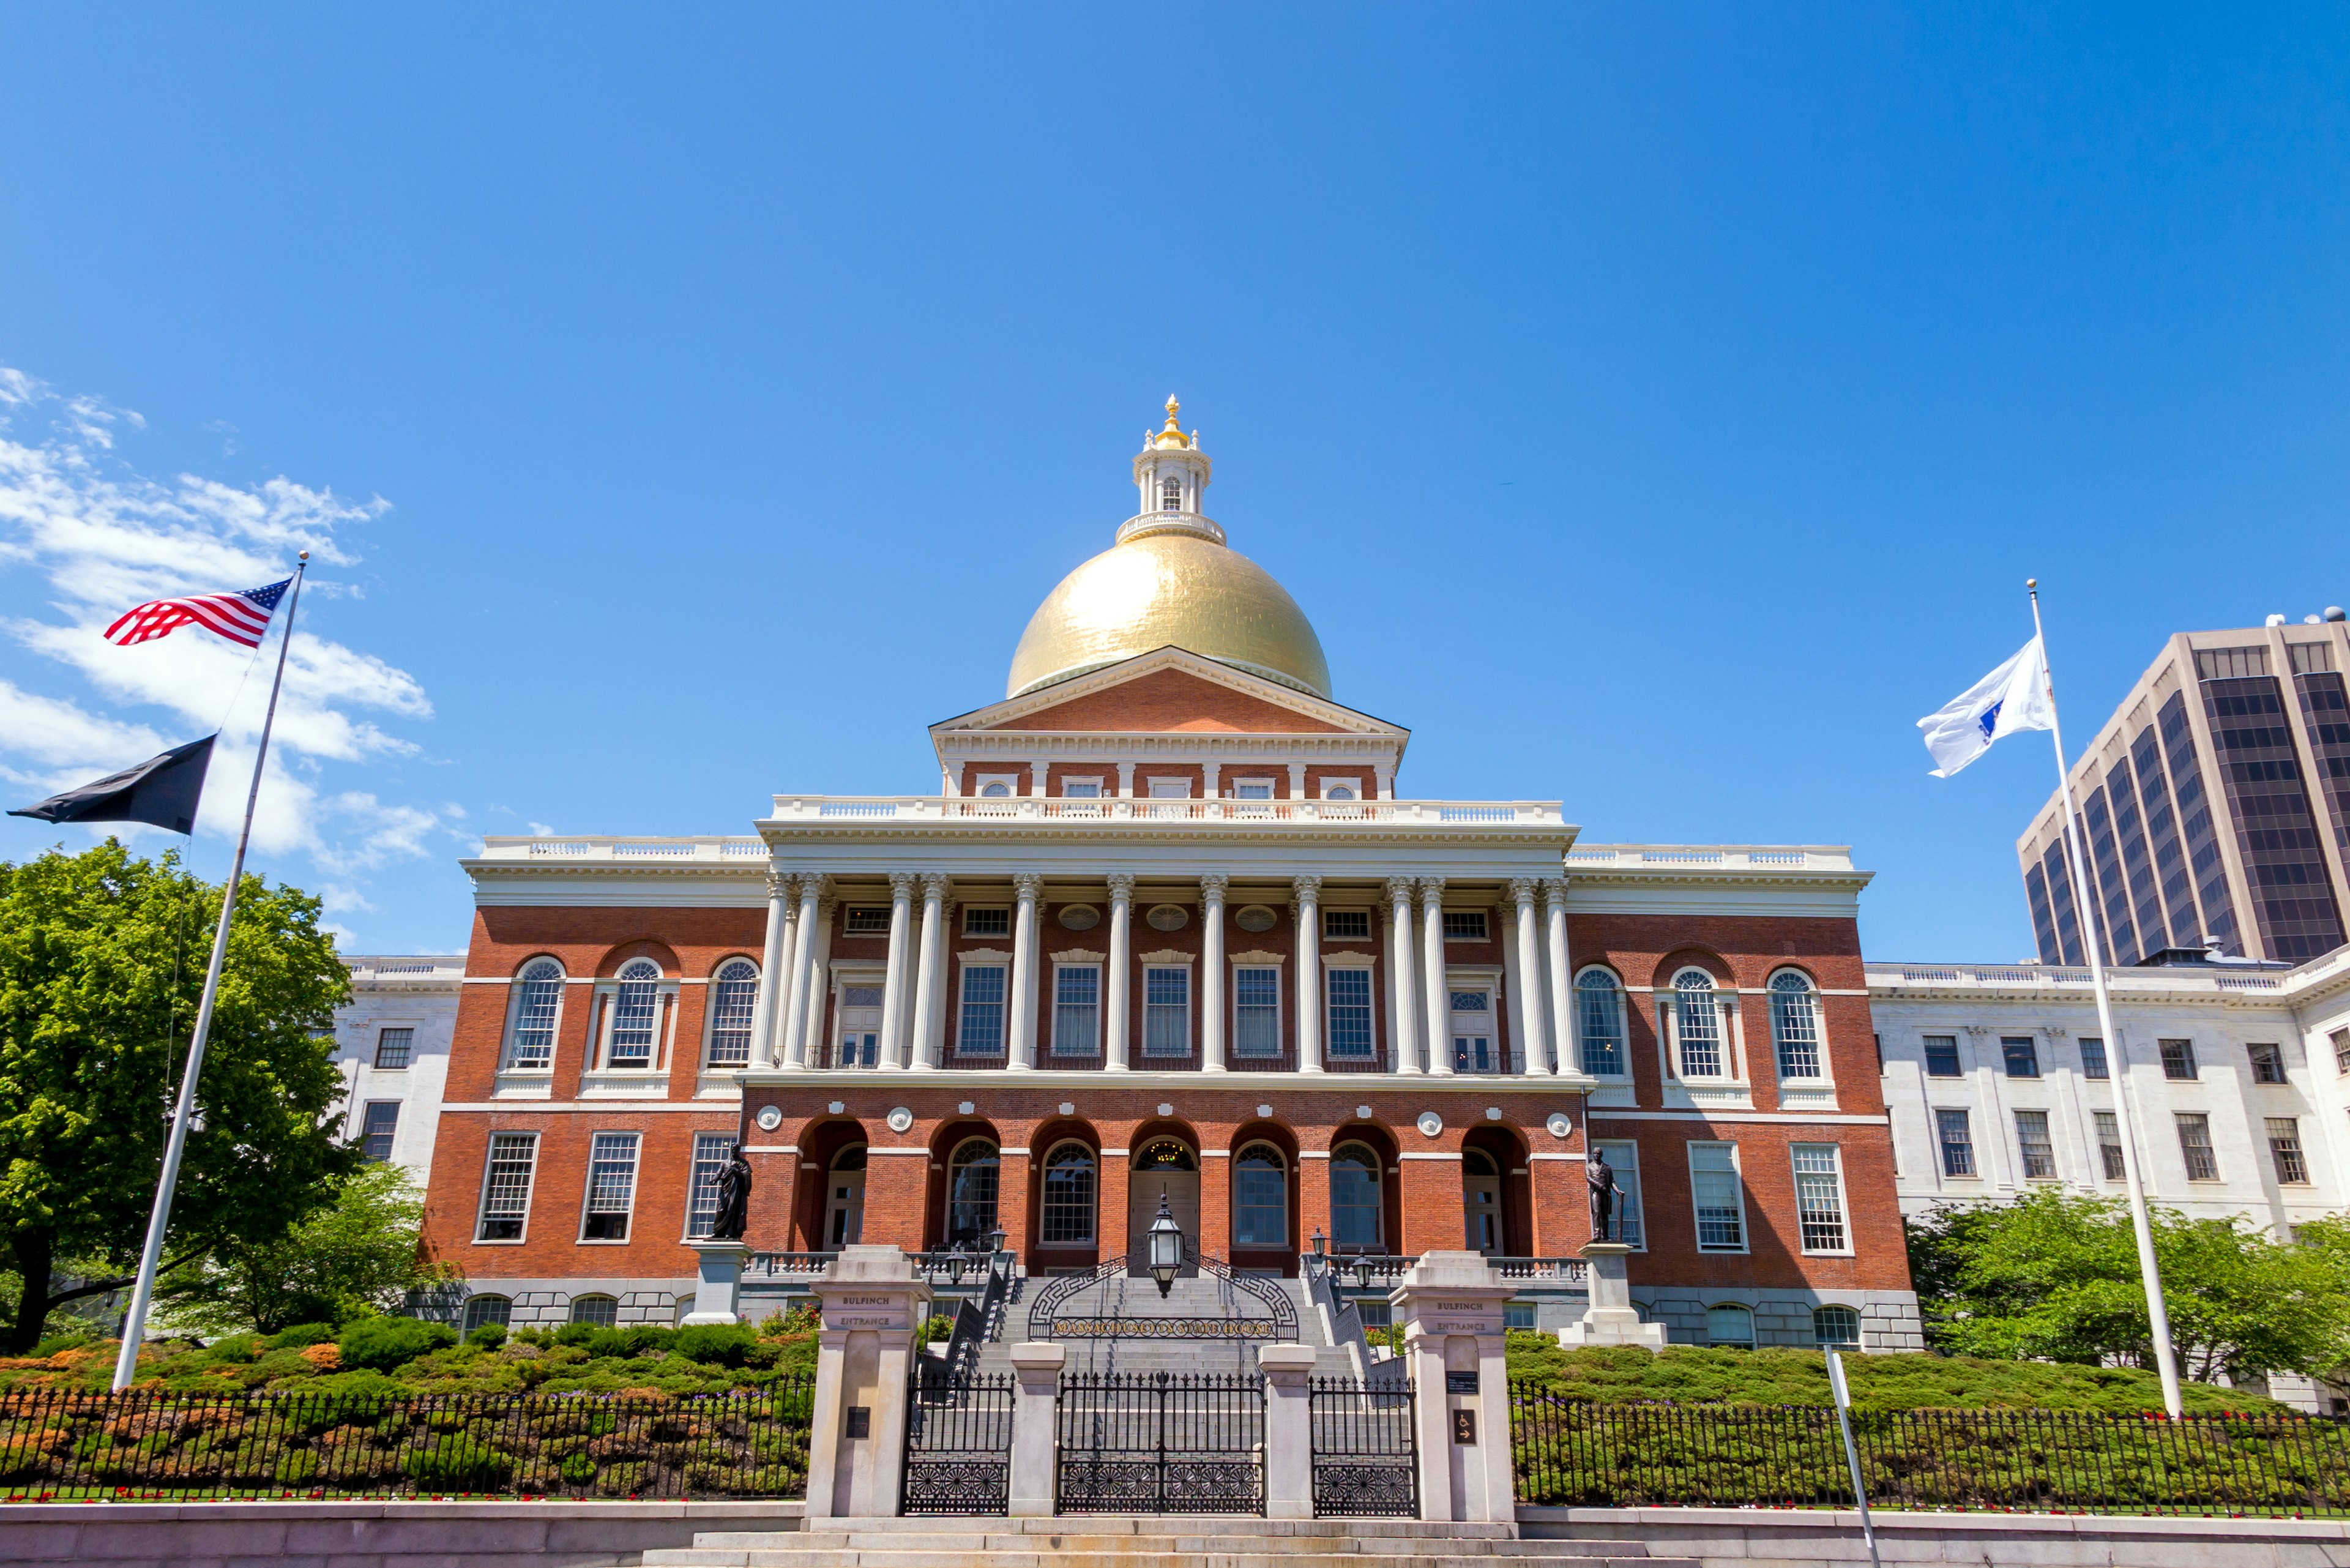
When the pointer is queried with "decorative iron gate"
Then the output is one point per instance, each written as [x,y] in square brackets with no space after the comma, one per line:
[1159,1442]
[1366,1450]
[958,1444]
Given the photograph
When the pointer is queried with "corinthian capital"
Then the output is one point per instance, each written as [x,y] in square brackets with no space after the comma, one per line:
[902,884]
[1213,885]
[1399,890]
[1431,890]
[1555,892]
[1307,889]
[1121,886]
[780,884]
[1028,884]
[1522,890]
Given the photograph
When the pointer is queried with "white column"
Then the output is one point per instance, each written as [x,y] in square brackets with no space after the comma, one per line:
[1402,958]
[1212,973]
[803,944]
[893,981]
[1562,976]
[1022,1057]
[929,968]
[1539,1031]
[1514,990]
[1309,973]
[1121,965]
[1437,997]
[819,979]
[772,981]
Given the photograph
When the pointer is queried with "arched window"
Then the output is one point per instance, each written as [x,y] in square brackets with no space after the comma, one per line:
[1698,1012]
[1069,1189]
[1600,1010]
[1260,1198]
[538,1001]
[1339,791]
[636,1009]
[733,999]
[482,1311]
[1165,1154]
[1795,1024]
[596,1311]
[1728,1327]
[1354,1206]
[997,791]
[1170,496]
[970,1192]
[1836,1328]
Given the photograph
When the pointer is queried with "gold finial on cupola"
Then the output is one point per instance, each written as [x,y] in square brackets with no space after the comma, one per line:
[1171,435]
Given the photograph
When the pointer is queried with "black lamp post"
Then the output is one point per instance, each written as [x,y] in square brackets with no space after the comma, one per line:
[956,1264]
[1319,1240]
[1166,1248]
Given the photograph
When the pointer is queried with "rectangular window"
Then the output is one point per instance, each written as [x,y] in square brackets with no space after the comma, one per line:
[986,922]
[1252,789]
[505,1186]
[1081,789]
[1464,925]
[2284,1147]
[2093,1058]
[382,1121]
[1819,1196]
[2232,663]
[702,1195]
[867,920]
[536,1008]
[2179,1058]
[391,1048]
[1256,1012]
[1077,1010]
[1171,789]
[1167,1012]
[2023,1055]
[1624,1160]
[2340,1039]
[1719,1199]
[2195,1143]
[1345,925]
[611,1187]
[1958,1143]
[982,1032]
[1518,1315]
[733,1002]
[1941,1055]
[635,1011]
[2268,1064]
[2109,1147]
[1349,1026]
[2039,1153]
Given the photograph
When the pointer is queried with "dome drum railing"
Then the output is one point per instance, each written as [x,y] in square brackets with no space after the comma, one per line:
[1033,809]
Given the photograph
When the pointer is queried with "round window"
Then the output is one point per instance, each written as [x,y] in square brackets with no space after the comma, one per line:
[1079,917]
[1169,917]
[1256,917]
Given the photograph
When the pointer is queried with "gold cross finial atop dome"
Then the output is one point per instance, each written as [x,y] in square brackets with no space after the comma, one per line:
[1172,435]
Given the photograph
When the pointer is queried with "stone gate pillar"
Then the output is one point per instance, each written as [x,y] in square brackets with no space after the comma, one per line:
[1288,1430]
[1450,1306]
[873,1302]
[1035,1458]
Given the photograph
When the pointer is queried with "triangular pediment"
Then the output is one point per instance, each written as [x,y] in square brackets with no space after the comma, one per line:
[1171,691]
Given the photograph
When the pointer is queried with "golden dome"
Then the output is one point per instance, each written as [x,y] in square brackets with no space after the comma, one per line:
[1165,587]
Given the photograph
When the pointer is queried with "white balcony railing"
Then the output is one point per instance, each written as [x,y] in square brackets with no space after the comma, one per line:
[1035,809]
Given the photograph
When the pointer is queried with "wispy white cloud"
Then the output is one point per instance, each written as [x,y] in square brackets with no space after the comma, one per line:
[101,537]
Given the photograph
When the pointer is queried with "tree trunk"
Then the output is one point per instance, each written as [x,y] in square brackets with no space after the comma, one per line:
[33,1251]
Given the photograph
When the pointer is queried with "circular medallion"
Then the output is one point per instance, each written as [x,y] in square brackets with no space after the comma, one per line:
[901,1119]
[1079,917]
[1431,1124]
[770,1119]
[1256,917]
[1169,917]
[1559,1124]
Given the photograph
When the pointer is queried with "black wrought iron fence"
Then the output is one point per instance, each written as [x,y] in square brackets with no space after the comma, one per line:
[1573,1452]
[1159,1442]
[62,1444]
[1366,1450]
[958,1444]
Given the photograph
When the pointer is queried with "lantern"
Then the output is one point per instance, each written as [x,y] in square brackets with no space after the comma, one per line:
[1166,1248]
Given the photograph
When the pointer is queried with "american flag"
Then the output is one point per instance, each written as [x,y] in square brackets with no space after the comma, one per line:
[242,617]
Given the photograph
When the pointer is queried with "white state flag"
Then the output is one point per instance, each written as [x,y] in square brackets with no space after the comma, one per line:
[2012,698]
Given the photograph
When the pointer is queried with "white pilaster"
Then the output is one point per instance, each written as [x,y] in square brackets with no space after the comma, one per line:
[1208,775]
[1562,976]
[1037,774]
[954,778]
[803,947]
[929,967]
[1402,956]
[1437,996]
[894,985]
[1297,781]
[1309,973]
[1385,779]
[772,981]
[1022,1057]
[1126,781]
[1121,966]
[1212,973]
[1539,1031]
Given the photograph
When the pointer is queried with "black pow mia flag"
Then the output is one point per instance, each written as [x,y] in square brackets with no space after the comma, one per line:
[162,791]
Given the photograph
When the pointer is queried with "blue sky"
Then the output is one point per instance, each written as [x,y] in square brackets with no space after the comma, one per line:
[1655,409]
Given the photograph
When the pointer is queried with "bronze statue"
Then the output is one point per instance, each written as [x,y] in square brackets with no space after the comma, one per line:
[1603,1196]
[733,1199]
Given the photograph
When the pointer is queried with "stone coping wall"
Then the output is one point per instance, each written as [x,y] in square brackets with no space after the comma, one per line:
[1787,1538]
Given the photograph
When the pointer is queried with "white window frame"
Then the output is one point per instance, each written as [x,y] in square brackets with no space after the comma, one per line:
[1738,1185]
[1280,998]
[970,909]
[2023,1159]
[1739,1307]
[1236,788]
[876,920]
[1623,1074]
[1098,785]
[2210,1145]
[529,1190]
[1092,1238]
[1350,963]
[1811,993]
[1354,787]
[1190,1004]
[1725,1017]
[2276,1160]
[517,989]
[2097,1134]
[1482,983]
[375,1057]
[864,978]
[608,1019]
[1942,1148]
[1797,1176]
[1170,494]
[1178,786]
[1370,924]
[710,1030]
[1093,1052]
[1011,782]
[588,1188]
[1628,1180]
[1484,925]
[962,1007]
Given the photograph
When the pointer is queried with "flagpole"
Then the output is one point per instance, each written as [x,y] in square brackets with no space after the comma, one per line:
[134,1323]
[2158,1312]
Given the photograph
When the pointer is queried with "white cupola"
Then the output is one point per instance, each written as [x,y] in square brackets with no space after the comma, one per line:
[1171,474]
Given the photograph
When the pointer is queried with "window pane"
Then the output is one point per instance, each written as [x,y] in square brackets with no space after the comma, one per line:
[1167,1012]
[1699,1015]
[996,922]
[1624,1160]
[2032,1139]
[382,1121]
[634,1011]
[731,1002]
[2195,1143]
[1076,1012]
[2093,1057]
[1260,1200]
[981,1033]
[1256,1012]
[2109,1146]
[970,1206]
[611,1187]
[2179,1058]
[1958,1143]
[2268,1064]
[1721,1206]
[505,1195]
[702,1199]
[535,1012]
[1795,1026]
[2023,1055]
[1599,1008]
[1819,1196]
[1729,1327]
[1941,1055]
[1346,923]
[1068,1210]
[1836,1328]
[1349,1026]
[596,1312]
[482,1311]
[1355,1198]
[867,920]
[1464,925]
[391,1048]
[2284,1146]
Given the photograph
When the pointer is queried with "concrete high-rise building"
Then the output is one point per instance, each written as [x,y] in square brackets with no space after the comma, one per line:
[2215,804]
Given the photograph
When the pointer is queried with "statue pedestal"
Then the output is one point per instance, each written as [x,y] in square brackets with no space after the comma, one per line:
[1609,1318]
[719,1283]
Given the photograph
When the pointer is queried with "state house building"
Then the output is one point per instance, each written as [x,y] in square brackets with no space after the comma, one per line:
[1165,927]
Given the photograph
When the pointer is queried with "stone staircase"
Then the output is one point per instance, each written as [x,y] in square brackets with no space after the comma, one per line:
[1200,1296]
[1110,1541]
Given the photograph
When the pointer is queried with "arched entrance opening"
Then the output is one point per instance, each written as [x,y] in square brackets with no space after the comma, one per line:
[1480,1201]
[1164,1167]
[1495,1193]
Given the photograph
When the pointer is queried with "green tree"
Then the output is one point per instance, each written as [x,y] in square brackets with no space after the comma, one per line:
[102,963]
[2055,1277]
[356,1256]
